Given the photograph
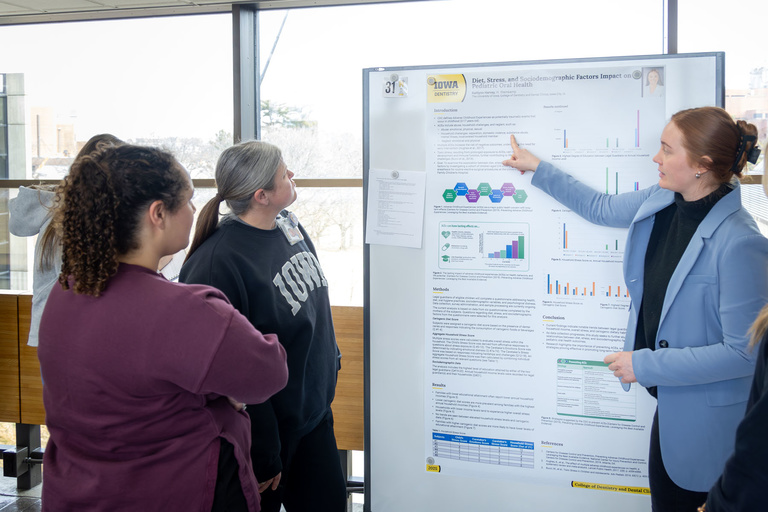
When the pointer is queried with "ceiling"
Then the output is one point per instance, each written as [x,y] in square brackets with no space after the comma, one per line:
[41,11]
[27,7]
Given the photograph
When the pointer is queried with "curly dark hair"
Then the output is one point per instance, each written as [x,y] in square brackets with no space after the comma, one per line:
[49,240]
[99,206]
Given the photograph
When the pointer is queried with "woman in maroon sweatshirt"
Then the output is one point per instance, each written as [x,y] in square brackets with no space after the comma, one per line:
[144,378]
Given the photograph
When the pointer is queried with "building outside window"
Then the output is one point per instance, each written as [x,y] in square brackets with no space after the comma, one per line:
[705,25]
[171,87]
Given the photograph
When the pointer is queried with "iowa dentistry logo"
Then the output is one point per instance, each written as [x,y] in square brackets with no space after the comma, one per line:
[446,88]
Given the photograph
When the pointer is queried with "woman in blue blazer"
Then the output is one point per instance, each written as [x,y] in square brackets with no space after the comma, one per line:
[696,268]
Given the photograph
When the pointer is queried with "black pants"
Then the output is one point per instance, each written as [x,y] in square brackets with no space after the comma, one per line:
[312,479]
[666,495]
[228,496]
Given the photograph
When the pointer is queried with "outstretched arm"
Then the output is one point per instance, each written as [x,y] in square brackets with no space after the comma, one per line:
[603,209]
[521,159]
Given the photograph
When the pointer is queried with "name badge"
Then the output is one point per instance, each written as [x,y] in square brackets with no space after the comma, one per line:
[289,225]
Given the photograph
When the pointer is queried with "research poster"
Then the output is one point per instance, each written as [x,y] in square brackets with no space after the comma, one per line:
[525,298]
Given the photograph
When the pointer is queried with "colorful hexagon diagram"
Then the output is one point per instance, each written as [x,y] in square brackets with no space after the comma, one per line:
[473,195]
[496,196]
[484,189]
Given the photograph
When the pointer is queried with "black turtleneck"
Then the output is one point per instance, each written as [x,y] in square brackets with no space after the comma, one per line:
[673,228]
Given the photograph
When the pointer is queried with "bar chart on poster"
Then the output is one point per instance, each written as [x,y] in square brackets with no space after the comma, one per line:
[485,342]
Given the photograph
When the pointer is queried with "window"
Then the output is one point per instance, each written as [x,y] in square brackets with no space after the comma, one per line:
[163,81]
[171,86]
[311,89]
[706,26]
[3,129]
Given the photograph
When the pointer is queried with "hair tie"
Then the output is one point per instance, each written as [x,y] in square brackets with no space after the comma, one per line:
[753,154]
[218,197]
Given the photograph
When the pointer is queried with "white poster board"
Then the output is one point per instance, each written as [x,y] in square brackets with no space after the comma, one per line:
[485,387]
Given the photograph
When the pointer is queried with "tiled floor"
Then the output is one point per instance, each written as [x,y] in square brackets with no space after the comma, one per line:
[13,500]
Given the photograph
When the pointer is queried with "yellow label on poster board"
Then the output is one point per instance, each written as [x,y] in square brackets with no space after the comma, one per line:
[446,88]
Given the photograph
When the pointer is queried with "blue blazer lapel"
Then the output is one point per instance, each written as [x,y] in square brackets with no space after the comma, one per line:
[659,200]
[725,207]
[637,241]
